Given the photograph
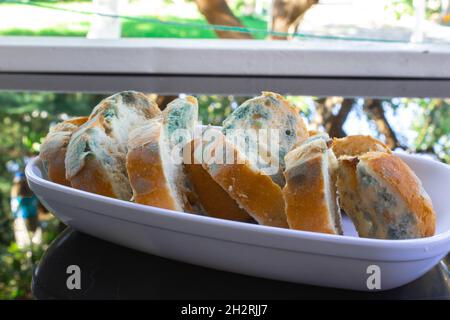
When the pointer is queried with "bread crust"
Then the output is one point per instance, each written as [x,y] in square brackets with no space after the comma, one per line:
[357,145]
[88,172]
[213,199]
[250,188]
[93,178]
[407,185]
[304,197]
[155,177]
[56,167]
[146,170]
[400,197]
[306,202]
[77,121]
[53,149]
[99,146]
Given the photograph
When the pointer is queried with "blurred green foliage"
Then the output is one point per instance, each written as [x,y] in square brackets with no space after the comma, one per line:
[406,7]
[433,128]
[24,121]
[17,265]
[141,29]
[148,30]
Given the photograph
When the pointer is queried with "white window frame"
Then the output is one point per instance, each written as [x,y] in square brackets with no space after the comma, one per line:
[225,66]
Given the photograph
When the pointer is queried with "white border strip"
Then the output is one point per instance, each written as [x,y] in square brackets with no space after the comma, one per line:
[224,57]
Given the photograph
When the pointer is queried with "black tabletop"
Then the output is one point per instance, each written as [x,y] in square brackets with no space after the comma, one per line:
[109,271]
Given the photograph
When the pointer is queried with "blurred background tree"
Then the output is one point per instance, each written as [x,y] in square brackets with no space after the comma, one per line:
[24,121]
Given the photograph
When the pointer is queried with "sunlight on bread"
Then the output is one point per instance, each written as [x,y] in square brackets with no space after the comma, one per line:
[263,166]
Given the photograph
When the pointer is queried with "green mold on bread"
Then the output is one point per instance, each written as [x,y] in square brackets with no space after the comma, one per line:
[278,118]
[95,157]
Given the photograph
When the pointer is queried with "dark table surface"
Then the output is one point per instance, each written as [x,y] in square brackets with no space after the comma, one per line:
[109,271]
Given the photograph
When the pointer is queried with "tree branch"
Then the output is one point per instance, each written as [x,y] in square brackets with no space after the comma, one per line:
[375,111]
[286,14]
[162,101]
[218,12]
[336,123]
[325,117]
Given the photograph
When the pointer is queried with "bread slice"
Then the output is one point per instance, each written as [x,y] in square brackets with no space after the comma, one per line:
[53,149]
[253,190]
[211,197]
[357,145]
[154,169]
[180,119]
[95,157]
[125,111]
[275,117]
[384,198]
[310,192]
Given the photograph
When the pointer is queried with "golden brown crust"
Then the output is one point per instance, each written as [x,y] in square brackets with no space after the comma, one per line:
[384,197]
[93,179]
[308,207]
[53,150]
[312,132]
[89,174]
[349,195]
[104,137]
[396,173]
[255,192]
[146,171]
[357,145]
[304,195]
[147,179]
[56,167]
[213,199]
[77,121]
[252,190]
[348,168]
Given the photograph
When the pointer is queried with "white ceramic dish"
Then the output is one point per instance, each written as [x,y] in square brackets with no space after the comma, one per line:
[275,253]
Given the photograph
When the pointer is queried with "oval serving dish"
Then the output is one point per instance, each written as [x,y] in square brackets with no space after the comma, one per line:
[262,251]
